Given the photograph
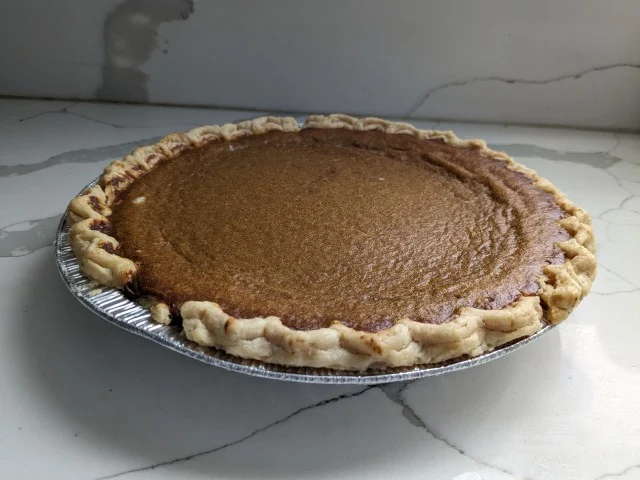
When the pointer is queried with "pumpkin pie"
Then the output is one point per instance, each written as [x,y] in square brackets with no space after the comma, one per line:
[341,243]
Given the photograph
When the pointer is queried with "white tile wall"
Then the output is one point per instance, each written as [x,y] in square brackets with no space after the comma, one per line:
[560,62]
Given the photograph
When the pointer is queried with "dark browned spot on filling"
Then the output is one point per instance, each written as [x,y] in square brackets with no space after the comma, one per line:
[324,225]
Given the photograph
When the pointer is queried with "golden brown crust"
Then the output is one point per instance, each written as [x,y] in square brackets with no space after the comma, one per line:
[471,332]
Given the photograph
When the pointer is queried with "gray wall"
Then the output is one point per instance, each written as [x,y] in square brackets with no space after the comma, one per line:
[561,62]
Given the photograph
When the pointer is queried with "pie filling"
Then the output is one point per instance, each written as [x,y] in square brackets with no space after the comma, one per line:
[318,226]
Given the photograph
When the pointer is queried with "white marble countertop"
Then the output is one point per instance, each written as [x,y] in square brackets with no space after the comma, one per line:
[81,399]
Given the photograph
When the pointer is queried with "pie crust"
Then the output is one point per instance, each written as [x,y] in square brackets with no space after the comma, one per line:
[470,332]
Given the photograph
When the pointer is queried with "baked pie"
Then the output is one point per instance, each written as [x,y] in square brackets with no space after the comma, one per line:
[341,243]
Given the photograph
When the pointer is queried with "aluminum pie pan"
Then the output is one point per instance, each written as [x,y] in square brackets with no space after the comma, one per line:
[116,308]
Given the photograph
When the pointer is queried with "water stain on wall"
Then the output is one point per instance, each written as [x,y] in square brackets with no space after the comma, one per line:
[130,37]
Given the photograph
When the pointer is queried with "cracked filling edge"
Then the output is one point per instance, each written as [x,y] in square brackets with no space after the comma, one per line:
[470,332]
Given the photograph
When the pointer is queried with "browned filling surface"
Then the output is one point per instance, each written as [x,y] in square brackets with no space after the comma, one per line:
[361,227]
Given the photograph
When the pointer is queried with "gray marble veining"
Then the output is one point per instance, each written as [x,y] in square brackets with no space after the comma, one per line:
[27,237]
[423,100]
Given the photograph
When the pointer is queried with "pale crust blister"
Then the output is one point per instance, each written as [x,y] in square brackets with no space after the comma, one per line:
[471,332]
